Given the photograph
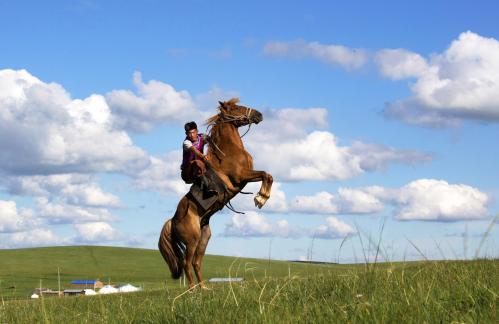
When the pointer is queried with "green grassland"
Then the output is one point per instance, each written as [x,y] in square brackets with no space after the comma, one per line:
[22,269]
[273,292]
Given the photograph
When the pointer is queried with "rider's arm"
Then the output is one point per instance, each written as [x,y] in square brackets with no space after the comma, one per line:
[198,154]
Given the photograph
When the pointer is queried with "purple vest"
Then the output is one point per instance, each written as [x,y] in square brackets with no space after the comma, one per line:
[189,155]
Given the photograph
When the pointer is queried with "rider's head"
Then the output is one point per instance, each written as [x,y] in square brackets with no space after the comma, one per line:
[191,130]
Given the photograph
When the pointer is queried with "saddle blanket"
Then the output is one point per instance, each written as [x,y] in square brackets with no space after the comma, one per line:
[215,183]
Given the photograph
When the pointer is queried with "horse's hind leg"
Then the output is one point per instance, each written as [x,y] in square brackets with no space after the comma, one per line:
[189,232]
[189,257]
[201,249]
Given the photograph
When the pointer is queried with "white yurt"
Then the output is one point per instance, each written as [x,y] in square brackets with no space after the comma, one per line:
[89,292]
[128,288]
[108,289]
[35,296]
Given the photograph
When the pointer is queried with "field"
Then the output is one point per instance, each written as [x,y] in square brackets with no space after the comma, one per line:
[444,291]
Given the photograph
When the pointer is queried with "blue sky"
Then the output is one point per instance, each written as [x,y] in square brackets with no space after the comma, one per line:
[377,113]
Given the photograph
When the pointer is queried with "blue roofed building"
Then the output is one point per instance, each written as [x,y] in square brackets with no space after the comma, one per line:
[93,284]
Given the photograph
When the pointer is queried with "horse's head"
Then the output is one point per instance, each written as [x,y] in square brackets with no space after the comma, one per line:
[238,115]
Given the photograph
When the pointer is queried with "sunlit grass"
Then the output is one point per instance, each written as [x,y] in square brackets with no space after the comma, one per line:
[443,291]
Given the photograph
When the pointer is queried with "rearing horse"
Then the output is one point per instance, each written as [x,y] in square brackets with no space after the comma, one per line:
[184,237]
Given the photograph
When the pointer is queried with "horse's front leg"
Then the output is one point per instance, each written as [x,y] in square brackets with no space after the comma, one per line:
[266,179]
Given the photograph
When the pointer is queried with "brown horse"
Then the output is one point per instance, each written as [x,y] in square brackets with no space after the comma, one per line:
[184,238]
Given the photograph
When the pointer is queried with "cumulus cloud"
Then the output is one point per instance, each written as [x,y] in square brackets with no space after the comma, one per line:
[253,224]
[335,55]
[75,189]
[90,195]
[56,213]
[437,200]
[44,131]
[95,232]
[293,123]
[365,201]
[423,199]
[154,103]
[373,157]
[400,64]
[334,228]
[322,202]
[319,156]
[34,238]
[460,83]
[347,201]
[14,220]
[162,175]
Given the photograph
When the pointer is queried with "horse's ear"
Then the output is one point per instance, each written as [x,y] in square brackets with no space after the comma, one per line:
[222,105]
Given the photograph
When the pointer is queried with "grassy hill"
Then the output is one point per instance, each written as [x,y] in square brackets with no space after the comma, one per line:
[22,269]
[273,292]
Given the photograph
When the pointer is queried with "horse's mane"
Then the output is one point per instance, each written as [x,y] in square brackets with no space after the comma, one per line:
[213,120]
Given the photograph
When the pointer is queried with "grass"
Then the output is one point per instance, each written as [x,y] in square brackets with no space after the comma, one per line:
[22,269]
[278,292]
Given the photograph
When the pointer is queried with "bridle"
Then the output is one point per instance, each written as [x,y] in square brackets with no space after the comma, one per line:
[243,117]
[227,118]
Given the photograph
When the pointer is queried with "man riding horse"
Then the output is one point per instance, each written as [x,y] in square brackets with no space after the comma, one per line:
[184,237]
[194,161]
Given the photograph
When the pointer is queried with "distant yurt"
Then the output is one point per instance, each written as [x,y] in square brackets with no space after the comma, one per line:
[128,288]
[35,296]
[90,292]
[108,289]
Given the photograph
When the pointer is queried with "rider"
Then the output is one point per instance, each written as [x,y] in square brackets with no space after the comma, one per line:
[194,160]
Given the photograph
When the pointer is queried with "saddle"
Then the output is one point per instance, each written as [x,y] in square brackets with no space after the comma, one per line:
[207,188]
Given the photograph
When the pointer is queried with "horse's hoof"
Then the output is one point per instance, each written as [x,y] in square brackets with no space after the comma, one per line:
[260,201]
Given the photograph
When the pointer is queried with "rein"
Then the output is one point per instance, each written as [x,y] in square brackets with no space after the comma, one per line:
[231,118]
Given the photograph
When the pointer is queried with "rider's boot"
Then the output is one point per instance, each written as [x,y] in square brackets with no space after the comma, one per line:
[207,186]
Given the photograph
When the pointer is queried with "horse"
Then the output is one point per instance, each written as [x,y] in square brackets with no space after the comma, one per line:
[184,237]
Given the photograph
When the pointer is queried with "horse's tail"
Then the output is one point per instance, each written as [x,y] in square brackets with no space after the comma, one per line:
[171,250]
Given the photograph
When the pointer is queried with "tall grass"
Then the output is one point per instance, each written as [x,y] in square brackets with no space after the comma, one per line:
[280,292]
[415,292]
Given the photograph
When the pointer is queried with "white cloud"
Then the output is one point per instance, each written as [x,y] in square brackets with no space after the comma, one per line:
[162,175]
[399,64]
[322,202]
[437,200]
[373,157]
[460,83]
[335,55]
[353,201]
[334,228]
[90,195]
[292,123]
[155,103]
[14,220]
[96,232]
[318,156]
[55,213]
[423,199]
[33,238]
[44,131]
[253,224]
[347,201]
[75,189]
[315,157]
